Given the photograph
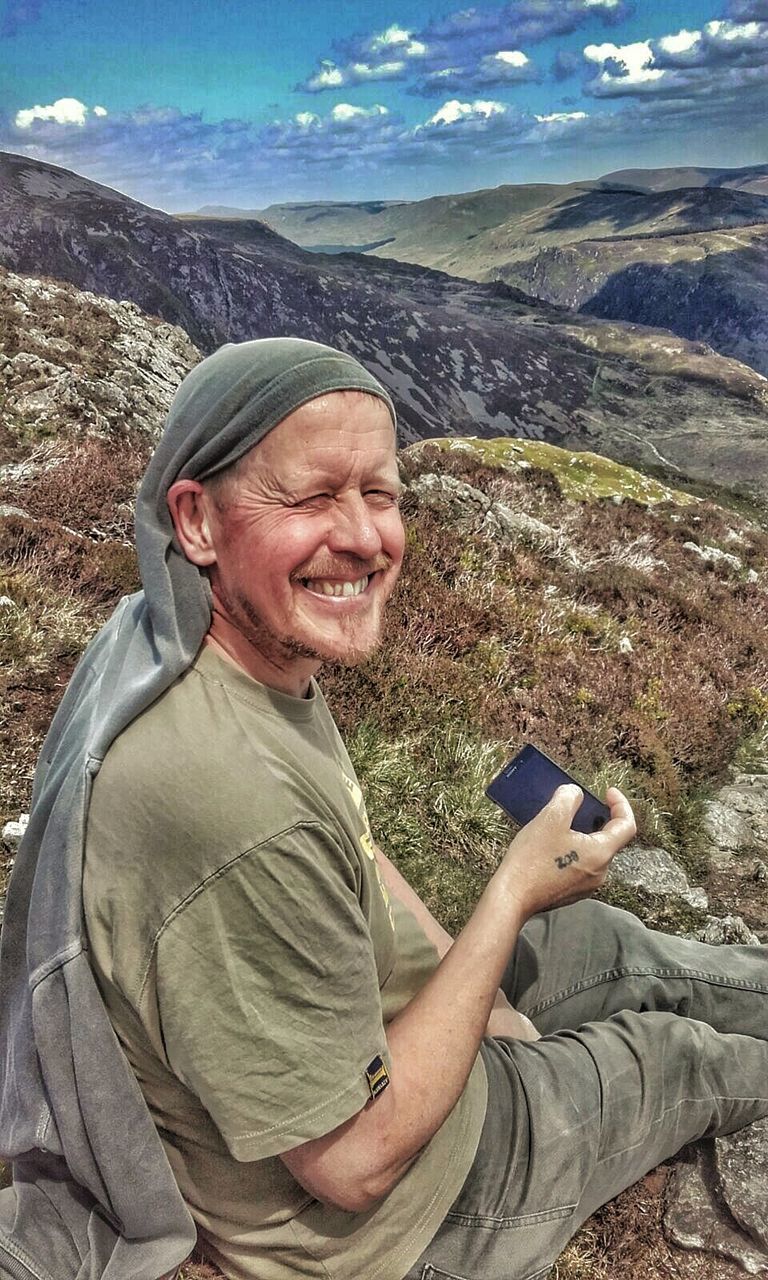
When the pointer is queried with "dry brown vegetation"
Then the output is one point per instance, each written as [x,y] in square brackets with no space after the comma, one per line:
[616,649]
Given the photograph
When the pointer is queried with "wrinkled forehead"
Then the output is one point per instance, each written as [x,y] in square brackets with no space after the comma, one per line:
[344,433]
[335,422]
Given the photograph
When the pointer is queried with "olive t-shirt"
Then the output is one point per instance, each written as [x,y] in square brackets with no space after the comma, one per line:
[250,959]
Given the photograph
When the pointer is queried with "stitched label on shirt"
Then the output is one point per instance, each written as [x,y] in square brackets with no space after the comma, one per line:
[377,1076]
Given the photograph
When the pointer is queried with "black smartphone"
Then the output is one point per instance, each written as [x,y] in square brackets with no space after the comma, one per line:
[528,781]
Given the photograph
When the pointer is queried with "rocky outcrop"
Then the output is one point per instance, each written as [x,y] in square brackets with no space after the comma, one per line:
[656,875]
[737,820]
[470,508]
[703,285]
[70,358]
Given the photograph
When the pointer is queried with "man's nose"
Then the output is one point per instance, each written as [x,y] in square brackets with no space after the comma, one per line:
[354,528]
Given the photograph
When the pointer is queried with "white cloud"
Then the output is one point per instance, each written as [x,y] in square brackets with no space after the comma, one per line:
[680,43]
[62,111]
[400,39]
[562,117]
[360,71]
[629,64]
[511,57]
[734,30]
[345,111]
[305,119]
[328,77]
[452,111]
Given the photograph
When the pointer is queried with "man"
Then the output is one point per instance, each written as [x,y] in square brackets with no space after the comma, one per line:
[339,1089]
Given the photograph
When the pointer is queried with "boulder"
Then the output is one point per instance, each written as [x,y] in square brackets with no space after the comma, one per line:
[724,930]
[727,829]
[656,872]
[696,1217]
[13,832]
[741,1162]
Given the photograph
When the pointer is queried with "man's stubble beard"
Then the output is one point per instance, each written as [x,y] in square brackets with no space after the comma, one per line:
[280,650]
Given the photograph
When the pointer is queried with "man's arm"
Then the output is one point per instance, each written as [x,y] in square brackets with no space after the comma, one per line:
[503,1020]
[546,865]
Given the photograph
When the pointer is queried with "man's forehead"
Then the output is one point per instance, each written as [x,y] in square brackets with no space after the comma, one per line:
[324,430]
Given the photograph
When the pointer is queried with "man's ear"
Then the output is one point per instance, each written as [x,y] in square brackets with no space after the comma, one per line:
[190,515]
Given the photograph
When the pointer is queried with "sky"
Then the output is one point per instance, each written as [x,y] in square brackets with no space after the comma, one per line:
[186,103]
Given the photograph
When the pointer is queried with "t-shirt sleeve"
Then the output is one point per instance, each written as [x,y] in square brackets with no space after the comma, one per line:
[268,994]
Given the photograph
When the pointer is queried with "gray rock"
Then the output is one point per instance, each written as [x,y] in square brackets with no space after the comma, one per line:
[472,508]
[728,831]
[6,509]
[723,930]
[741,1161]
[713,555]
[748,796]
[696,1218]
[143,363]
[655,871]
[14,831]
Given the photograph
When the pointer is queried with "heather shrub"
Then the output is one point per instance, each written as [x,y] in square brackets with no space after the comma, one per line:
[89,485]
[631,664]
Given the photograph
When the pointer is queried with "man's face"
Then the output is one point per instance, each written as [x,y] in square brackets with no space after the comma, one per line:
[310,542]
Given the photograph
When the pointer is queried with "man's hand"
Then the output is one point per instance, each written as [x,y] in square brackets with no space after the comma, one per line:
[548,865]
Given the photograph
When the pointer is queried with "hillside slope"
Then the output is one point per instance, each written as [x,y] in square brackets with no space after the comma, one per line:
[706,286]
[458,357]
[700,236]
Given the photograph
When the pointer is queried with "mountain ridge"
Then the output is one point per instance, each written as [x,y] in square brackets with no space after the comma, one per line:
[571,244]
[459,357]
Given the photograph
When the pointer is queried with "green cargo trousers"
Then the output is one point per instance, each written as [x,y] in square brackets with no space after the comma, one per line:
[649,1042]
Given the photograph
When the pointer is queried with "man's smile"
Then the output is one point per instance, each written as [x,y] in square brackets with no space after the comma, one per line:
[334,587]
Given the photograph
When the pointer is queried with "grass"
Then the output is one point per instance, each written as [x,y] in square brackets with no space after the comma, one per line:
[582,476]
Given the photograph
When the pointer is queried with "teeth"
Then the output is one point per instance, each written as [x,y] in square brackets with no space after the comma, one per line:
[324,588]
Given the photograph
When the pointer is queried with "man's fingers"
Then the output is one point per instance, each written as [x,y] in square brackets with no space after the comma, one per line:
[566,800]
[621,826]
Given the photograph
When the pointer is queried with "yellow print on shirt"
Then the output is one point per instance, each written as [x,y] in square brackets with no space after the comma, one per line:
[366,839]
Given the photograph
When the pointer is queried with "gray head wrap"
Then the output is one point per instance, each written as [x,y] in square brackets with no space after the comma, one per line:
[70,1106]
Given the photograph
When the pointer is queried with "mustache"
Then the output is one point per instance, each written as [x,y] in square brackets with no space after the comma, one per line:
[341,567]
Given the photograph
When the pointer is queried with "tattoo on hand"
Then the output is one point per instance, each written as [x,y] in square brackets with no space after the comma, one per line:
[566,859]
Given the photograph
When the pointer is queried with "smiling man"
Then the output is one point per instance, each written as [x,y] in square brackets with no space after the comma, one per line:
[223,1011]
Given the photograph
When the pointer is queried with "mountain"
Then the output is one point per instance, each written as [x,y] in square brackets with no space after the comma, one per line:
[753,178]
[425,230]
[707,286]
[684,249]
[459,357]
[407,230]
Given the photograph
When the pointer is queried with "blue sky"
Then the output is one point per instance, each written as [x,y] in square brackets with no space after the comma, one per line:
[181,103]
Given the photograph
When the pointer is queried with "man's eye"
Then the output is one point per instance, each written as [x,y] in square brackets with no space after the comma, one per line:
[383,496]
[312,499]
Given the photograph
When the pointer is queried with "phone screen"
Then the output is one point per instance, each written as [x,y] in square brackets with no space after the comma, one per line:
[528,781]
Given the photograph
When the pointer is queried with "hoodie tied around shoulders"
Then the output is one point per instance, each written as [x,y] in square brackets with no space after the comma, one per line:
[93,1195]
